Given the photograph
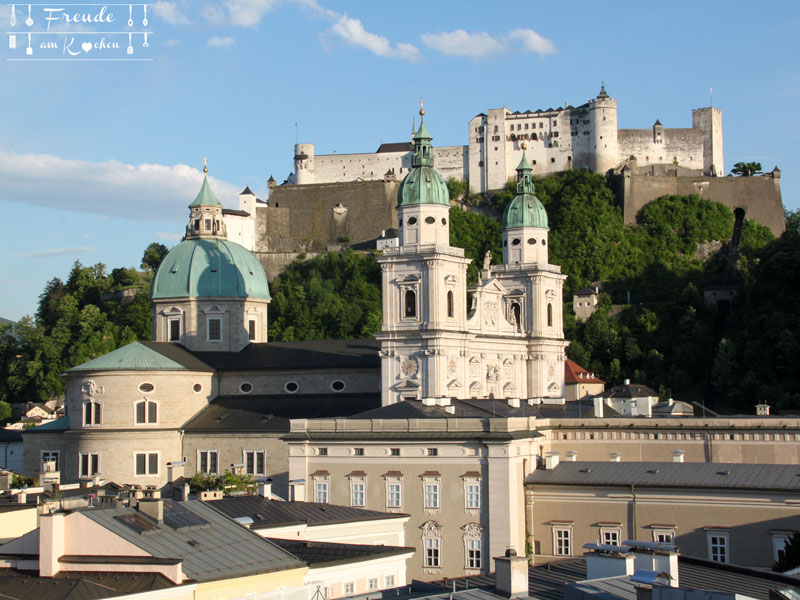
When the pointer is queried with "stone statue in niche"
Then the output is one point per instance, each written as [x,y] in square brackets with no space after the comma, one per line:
[487,260]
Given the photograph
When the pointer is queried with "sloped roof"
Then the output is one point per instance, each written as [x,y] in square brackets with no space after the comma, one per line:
[395,147]
[272,513]
[628,390]
[671,474]
[205,197]
[587,291]
[144,356]
[25,585]
[61,424]
[574,373]
[319,554]
[221,550]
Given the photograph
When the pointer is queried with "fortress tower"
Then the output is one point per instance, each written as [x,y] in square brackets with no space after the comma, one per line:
[304,164]
[710,121]
[603,152]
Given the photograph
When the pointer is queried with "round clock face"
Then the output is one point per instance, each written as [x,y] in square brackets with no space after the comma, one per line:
[409,367]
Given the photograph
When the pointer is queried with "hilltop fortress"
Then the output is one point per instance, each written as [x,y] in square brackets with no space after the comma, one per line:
[560,139]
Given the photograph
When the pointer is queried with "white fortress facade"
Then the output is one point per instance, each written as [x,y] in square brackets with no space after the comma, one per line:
[583,137]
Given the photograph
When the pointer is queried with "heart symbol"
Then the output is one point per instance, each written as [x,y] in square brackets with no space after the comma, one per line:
[86,46]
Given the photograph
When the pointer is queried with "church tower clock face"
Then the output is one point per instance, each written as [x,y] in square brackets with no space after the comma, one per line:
[408,367]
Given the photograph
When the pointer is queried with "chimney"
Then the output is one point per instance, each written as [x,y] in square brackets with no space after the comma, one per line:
[265,488]
[51,543]
[22,498]
[551,460]
[429,401]
[677,456]
[661,558]
[175,470]
[598,407]
[153,508]
[513,402]
[511,574]
[572,456]
[602,564]
[297,490]
[615,457]
[450,410]
[183,492]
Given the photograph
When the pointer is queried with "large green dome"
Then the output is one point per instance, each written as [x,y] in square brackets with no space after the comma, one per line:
[210,267]
[423,185]
[525,210]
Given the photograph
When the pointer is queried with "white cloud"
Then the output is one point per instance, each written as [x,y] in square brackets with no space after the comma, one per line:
[220,42]
[353,33]
[532,41]
[50,252]
[482,44]
[140,192]
[243,13]
[173,42]
[165,236]
[169,12]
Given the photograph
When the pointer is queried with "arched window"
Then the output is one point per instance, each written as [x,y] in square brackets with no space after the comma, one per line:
[146,412]
[549,315]
[450,308]
[92,413]
[410,304]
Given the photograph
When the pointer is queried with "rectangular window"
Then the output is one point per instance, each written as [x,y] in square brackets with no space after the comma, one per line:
[431,495]
[433,452]
[473,554]
[473,495]
[663,537]
[254,462]
[207,224]
[89,464]
[432,546]
[251,330]
[51,455]
[358,451]
[92,413]
[394,451]
[388,581]
[349,588]
[146,412]
[372,584]
[146,463]
[208,461]
[609,536]
[718,547]
[214,330]
[321,492]
[174,330]
[357,493]
[322,452]
[394,495]
[562,542]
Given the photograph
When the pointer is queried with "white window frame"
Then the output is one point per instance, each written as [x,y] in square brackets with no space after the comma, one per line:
[349,588]
[90,456]
[664,532]
[470,502]
[358,491]
[472,561]
[562,533]
[431,494]
[210,318]
[390,496]
[609,532]
[389,581]
[147,454]
[49,457]
[719,547]
[255,454]
[208,454]
[92,421]
[322,490]
[147,421]
[432,552]
[174,319]
[372,584]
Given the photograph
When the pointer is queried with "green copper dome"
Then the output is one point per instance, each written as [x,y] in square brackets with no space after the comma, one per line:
[525,210]
[210,268]
[422,185]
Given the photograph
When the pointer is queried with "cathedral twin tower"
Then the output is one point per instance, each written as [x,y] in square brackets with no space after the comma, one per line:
[509,343]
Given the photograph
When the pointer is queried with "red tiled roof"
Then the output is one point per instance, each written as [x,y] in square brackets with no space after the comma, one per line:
[574,373]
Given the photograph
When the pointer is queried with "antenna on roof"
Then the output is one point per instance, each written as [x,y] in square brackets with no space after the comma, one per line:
[295,133]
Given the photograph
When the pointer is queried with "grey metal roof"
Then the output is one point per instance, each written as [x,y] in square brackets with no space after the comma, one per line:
[630,390]
[318,554]
[480,409]
[221,550]
[271,513]
[671,474]
[272,413]
[24,585]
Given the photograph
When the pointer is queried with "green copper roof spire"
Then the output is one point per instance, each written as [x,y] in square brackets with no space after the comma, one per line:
[205,197]
[525,210]
[423,185]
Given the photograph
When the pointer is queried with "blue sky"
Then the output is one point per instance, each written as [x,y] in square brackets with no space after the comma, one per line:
[98,159]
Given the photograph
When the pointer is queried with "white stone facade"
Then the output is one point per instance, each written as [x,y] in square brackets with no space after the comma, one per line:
[584,137]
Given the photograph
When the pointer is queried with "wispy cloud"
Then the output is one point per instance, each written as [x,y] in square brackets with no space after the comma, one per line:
[165,236]
[220,42]
[482,44]
[169,12]
[242,13]
[50,252]
[352,31]
[173,42]
[111,188]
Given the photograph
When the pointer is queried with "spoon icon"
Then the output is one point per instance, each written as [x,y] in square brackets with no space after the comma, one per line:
[29,21]
[130,15]
[145,44]
[144,22]
[13,17]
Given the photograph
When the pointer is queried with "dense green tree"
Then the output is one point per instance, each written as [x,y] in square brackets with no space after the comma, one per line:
[5,412]
[746,169]
[476,234]
[153,255]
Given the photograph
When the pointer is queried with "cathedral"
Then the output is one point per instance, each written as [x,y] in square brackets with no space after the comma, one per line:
[210,393]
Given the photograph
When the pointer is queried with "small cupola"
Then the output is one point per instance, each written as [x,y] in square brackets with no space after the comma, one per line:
[205,213]
[423,201]
[602,94]
[525,221]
